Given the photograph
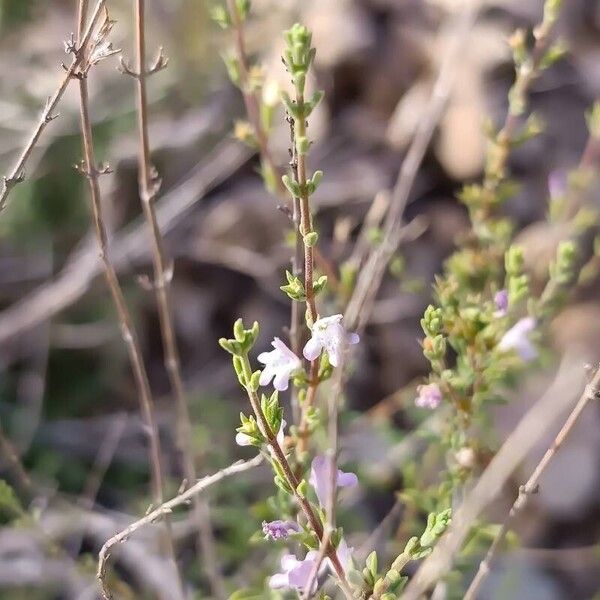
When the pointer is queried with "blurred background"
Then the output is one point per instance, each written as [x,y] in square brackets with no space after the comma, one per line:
[68,404]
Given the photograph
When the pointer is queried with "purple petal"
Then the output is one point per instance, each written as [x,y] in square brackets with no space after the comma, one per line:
[501,301]
[299,576]
[346,479]
[288,562]
[278,530]
[353,338]
[279,580]
[319,477]
[345,555]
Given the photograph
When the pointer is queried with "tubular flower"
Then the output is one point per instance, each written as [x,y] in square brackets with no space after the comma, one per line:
[321,481]
[279,530]
[329,334]
[280,364]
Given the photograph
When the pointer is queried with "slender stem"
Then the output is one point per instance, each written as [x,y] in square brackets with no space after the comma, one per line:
[292,480]
[296,318]
[163,511]
[499,152]
[148,189]
[251,100]
[306,224]
[127,329]
[16,174]
[592,392]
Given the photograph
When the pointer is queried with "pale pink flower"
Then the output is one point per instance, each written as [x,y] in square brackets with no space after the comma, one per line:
[320,478]
[429,396]
[280,364]
[329,334]
[295,573]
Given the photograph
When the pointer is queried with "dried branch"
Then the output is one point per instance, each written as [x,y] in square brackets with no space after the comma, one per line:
[149,185]
[128,332]
[17,173]
[592,392]
[129,246]
[164,510]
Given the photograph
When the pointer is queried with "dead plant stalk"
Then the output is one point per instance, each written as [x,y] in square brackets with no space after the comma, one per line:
[149,185]
[92,173]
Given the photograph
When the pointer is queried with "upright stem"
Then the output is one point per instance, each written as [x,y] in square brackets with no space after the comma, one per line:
[292,480]
[127,329]
[251,101]
[148,188]
[305,227]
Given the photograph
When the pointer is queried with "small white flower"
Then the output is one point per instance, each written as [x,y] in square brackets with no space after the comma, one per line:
[280,364]
[329,334]
[517,339]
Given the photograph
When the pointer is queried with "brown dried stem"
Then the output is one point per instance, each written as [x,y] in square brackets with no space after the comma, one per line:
[149,185]
[592,392]
[164,510]
[92,173]
[17,174]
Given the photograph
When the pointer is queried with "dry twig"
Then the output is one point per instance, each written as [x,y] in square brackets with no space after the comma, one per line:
[164,510]
[149,185]
[92,172]
[371,275]
[17,174]
[591,392]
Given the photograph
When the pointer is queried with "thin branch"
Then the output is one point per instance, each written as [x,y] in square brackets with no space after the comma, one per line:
[129,246]
[291,479]
[330,504]
[560,395]
[163,511]
[251,100]
[149,185]
[592,392]
[17,173]
[92,173]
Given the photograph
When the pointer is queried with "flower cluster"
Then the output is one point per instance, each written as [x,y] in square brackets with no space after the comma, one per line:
[281,364]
